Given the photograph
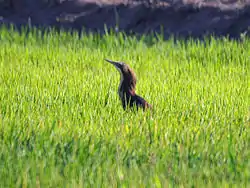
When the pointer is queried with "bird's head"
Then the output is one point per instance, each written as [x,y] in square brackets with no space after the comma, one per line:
[123,68]
[127,74]
[120,66]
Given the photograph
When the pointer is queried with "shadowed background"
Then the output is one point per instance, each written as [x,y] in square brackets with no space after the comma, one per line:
[193,18]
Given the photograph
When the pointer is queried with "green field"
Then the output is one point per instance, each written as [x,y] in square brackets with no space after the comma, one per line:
[62,124]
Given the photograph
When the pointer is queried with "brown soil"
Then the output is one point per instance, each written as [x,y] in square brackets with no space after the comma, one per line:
[194,18]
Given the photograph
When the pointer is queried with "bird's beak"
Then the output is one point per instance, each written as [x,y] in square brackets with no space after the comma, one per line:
[115,63]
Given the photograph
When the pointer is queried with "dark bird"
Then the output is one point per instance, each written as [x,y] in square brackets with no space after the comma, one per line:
[127,85]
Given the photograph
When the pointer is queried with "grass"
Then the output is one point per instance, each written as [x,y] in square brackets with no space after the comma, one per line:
[62,124]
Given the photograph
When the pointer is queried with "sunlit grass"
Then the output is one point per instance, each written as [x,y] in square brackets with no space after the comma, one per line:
[62,124]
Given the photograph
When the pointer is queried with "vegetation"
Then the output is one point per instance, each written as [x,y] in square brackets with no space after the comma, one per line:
[62,124]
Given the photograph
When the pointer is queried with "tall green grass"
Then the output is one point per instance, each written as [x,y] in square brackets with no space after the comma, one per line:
[62,124]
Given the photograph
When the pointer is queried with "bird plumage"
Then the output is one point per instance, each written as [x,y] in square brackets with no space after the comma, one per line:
[127,86]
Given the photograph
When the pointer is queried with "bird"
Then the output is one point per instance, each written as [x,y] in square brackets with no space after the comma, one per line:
[126,89]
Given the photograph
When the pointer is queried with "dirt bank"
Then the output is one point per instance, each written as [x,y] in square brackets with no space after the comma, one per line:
[194,18]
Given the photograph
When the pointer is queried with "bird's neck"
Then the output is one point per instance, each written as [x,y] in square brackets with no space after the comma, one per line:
[126,87]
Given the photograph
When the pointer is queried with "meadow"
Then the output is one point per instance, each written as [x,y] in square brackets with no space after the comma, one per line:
[62,124]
